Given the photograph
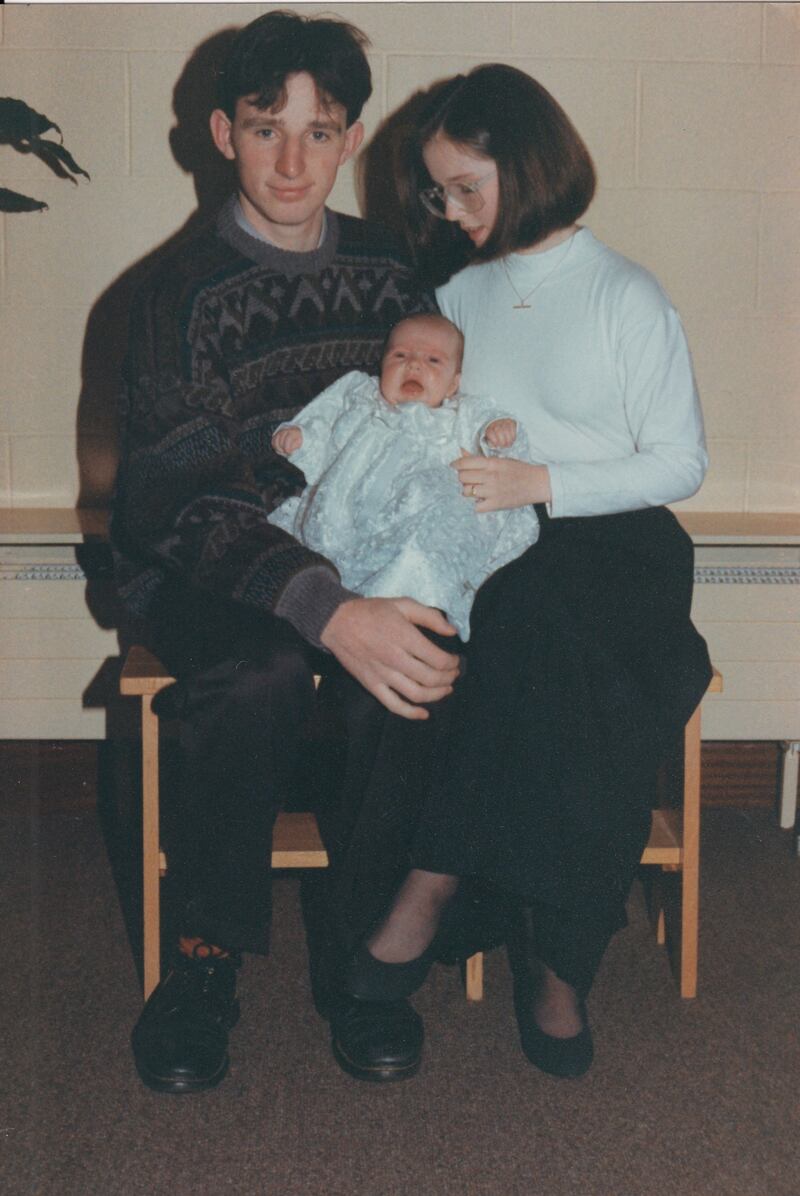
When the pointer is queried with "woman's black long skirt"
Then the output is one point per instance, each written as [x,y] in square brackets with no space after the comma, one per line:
[535,780]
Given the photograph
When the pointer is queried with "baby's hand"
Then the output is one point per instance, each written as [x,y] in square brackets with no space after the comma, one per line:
[501,433]
[287,440]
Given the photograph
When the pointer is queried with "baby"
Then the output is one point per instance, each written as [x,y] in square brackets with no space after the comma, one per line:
[381,501]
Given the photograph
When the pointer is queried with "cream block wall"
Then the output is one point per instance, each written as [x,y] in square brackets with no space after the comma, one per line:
[690,110]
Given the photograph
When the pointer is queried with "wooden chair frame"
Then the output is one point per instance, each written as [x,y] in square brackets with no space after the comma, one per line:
[674,843]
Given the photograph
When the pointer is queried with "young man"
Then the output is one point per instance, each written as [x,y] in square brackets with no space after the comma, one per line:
[230,336]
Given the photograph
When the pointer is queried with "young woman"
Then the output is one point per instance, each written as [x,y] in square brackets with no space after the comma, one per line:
[583,664]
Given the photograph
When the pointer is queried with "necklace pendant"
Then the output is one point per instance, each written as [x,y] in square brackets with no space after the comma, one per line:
[519,306]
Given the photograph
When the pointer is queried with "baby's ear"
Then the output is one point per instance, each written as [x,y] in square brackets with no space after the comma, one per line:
[454,385]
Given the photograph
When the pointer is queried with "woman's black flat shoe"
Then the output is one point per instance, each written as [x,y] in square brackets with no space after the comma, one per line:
[564,1057]
[371,979]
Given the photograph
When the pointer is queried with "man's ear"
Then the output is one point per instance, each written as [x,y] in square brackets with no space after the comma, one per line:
[352,141]
[221,129]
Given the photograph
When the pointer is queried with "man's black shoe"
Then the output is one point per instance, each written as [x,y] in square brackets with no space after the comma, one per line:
[180,1042]
[379,1041]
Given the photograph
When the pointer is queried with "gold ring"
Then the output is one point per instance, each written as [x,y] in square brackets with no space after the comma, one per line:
[472,489]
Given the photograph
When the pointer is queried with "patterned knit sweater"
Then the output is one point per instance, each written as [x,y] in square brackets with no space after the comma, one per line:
[229,337]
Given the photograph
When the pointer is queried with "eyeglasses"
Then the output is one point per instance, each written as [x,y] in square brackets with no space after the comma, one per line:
[464,195]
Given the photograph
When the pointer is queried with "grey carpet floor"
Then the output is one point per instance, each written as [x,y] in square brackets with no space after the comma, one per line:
[688,1098]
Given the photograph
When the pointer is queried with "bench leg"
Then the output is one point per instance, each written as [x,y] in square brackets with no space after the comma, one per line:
[474,983]
[661,927]
[655,905]
[691,858]
[150,848]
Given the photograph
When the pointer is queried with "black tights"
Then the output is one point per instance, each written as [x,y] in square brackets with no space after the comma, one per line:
[411,925]
[412,922]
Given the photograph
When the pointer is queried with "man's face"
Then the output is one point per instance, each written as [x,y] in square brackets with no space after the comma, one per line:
[287,160]
[420,364]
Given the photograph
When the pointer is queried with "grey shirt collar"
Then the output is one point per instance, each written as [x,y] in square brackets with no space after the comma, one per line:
[241,236]
[251,230]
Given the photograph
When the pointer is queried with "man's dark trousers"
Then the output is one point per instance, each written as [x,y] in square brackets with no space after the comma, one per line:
[243,699]
[244,695]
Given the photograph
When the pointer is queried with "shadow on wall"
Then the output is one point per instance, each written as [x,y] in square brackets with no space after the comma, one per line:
[193,100]
[379,196]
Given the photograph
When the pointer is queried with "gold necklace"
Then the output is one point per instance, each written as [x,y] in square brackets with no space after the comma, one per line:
[523,299]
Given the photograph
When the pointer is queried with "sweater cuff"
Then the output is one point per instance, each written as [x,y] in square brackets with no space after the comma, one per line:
[309,601]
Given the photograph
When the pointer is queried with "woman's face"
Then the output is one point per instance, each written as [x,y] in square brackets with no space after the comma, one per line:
[449,163]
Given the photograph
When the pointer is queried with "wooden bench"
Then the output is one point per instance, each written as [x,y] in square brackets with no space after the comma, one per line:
[674,844]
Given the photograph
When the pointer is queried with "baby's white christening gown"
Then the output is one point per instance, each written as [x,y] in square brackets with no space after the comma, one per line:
[383,503]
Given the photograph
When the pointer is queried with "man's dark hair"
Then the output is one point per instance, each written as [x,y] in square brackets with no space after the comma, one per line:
[546,175]
[278,44]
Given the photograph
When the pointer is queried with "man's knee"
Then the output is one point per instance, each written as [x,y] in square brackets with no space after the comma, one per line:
[283,678]
[258,694]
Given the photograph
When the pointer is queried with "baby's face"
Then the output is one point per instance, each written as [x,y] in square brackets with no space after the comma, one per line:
[420,364]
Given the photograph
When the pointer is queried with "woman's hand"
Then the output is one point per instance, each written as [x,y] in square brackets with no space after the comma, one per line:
[501,483]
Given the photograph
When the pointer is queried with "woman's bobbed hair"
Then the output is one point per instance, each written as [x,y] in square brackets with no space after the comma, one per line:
[546,174]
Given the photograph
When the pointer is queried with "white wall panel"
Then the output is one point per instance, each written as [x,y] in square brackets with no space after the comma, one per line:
[49,719]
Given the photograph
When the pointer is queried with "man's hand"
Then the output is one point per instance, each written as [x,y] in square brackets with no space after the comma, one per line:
[501,483]
[287,441]
[501,433]
[377,641]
